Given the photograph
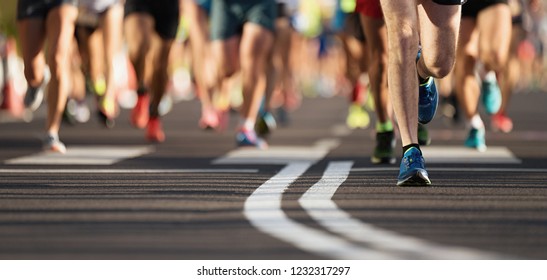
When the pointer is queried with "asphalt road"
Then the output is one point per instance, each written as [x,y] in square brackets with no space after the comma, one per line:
[313,195]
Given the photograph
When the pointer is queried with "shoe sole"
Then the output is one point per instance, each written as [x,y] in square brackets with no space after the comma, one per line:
[417,179]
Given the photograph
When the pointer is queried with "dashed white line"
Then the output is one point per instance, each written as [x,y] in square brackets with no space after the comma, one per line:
[84,155]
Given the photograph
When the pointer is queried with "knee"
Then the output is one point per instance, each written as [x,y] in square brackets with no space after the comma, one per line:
[440,65]
[59,62]
[406,36]
[494,59]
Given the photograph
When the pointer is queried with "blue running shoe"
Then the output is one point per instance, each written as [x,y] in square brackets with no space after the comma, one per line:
[491,95]
[248,138]
[475,139]
[412,171]
[428,98]
[428,101]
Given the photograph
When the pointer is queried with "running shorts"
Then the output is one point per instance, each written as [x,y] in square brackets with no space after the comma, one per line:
[369,8]
[164,12]
[39,8]
[472,8]
[353,26]
[229,16]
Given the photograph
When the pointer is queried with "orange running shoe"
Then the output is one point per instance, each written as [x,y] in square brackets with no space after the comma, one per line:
[154,131]
[501,122]
[140,114]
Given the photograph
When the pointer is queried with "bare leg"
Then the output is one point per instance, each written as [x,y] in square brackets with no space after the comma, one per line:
[467,86]
[32,34]
[60,31]
[256,44]
[112,23]
[160,75]
[138,33]
[375,31]
[402,32]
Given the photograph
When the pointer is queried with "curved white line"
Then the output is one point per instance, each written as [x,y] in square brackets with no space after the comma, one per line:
[263,210]
[318,203]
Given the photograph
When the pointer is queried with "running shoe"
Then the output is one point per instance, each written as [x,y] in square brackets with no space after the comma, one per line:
[501,122]
[491,95]
[53,144]
[140,113]
[357,117]
[35,95]
[423,135]
[450,109]
[383,152]
[107,112]
[475,139]
[428,98]
[209,119]
[154,130]
[248,138]
[265,124]
[412,171]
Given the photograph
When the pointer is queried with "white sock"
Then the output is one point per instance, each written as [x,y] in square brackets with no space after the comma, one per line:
[247,124]
[476,122]
[490,76]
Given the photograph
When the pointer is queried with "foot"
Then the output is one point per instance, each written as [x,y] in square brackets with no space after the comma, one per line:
[53,144]
[265,124]
[383,152]
[357,117]
[35,95]
[423,135]
[428,98]
[107,111]
[412,170]
[501,122]
[476,139]
[209,119]
[491,95]
[154,130]
[140,114]
[248,138]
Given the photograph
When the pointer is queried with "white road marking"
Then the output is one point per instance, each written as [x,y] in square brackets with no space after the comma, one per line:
[263,210]
[263,207]
[84,155]
[459,154]
[318,203]
[279,154]
[123,171]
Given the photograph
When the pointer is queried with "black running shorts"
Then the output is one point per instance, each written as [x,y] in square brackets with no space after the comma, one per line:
[472,8]
[39,8]
[164,12]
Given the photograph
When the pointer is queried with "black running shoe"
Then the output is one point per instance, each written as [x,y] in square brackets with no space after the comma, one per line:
[383,152]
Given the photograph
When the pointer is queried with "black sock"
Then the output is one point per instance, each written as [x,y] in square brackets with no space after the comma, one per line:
[422,80]
[405,148]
